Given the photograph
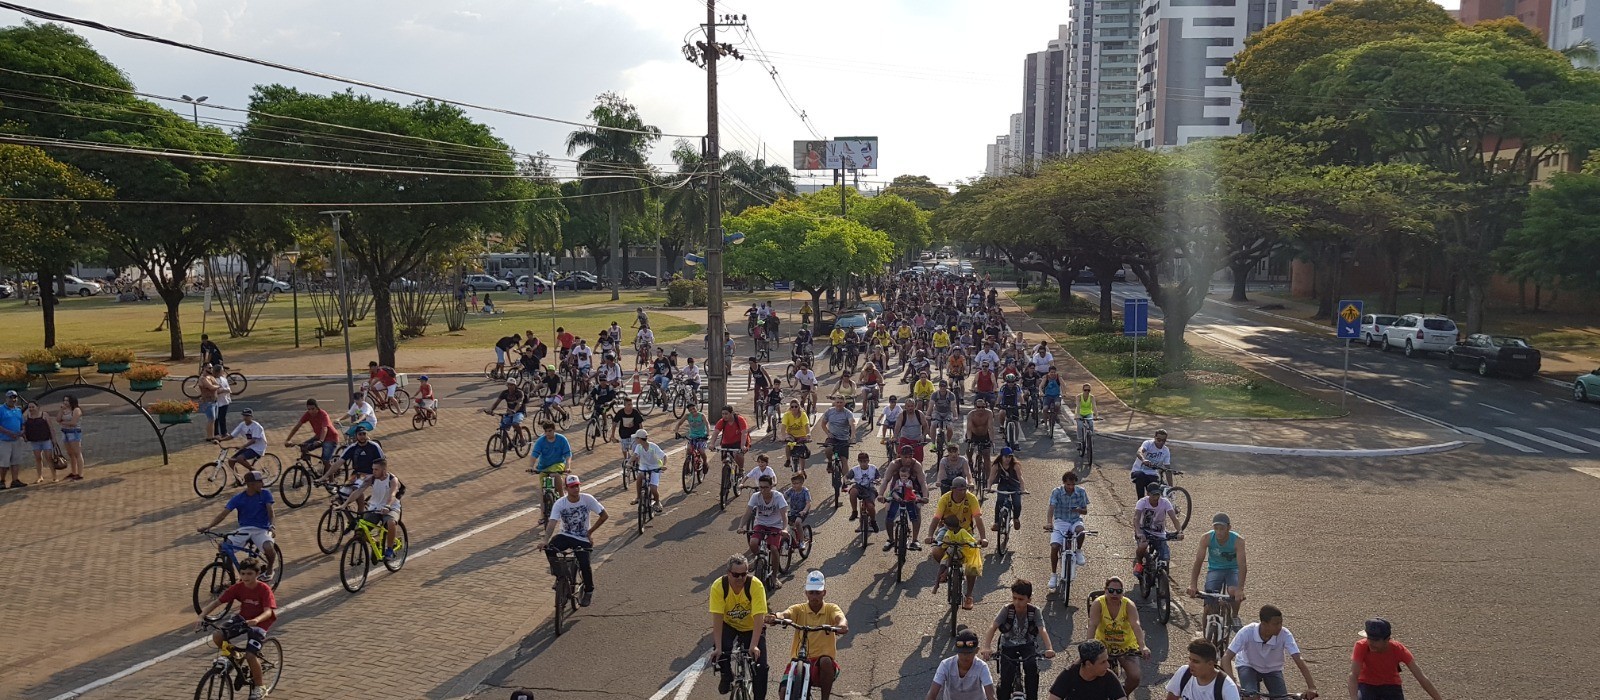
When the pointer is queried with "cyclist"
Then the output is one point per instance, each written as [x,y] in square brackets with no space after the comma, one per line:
[980,430]
[733,433]
[942,409]
[360,416]
[905,484]
[516,401]
[1201,678]
[382,381]
[661,371]
[551,453]
[1006,475]
[912,428]
[1152,453]
[1115,621]
[584,356]
[690,376]
[766,517]
[609,372]
[922,389]
[255,440]
[360,455]
[738,602]
[941,345]
[799,498]
[630,421]
[1051,393]
[1222,552]
[802,342]
[503,346]
[963,676]
[823,647]
[763,468]
[572,530]
[920,366]
[956,369]
[845,390]
[601,397]
[1375,666]
[797,429]
[1010,406]
[1068,504]
[644,340]
[951,466]
[253,508]
[1150,518]
[1042,358]
[836,342]
[323,434]
[963,506]
[987,358]
[382,493]
[425,401]
[1088,679]
[760,380]
[1258,652]
[258,609]
[649,459]
[983,385]
[863,479]
[1021,628]
[807,379]
[210,352]
[699,431]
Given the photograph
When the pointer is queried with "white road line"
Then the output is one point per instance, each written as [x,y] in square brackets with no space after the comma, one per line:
[1497,439]
[1425,386]
[1591,471]
[1543,441]
[1496,408]
[1596,431]
[1574,438]
[1358,365]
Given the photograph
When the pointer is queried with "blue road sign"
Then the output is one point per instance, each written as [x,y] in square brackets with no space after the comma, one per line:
[1136,317]
[1348,318]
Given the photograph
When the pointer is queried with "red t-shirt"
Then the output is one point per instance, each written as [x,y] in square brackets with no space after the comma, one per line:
[384,376]
[733,432]
[252,601]
[1380,668]
[984,382]
[566,341]
[321,424]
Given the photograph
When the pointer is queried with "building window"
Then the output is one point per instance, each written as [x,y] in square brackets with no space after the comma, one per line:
[1213,21]
[1577,21]
[1203,3]
[1218,101]
[1220,42]
[1217,82]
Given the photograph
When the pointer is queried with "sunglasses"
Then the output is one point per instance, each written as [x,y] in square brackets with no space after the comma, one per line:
[738,574]
[1113,591]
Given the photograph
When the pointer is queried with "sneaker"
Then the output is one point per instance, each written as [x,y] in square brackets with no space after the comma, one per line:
[585,599]
[17,484]
[776,585]
[914,546]
[874,522]
[725,683]
[888,545]
[659,509]
[257,692]
[967,604]
[388,552]
[1078,559]
[852,516]
[1055,581]
[633,502]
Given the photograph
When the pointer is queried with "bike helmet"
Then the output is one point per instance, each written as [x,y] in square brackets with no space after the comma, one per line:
[423,378]
[1010,377]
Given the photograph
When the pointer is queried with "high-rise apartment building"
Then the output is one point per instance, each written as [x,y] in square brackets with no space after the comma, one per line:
[1044,98]
[1567,27]
[1102,65]
[1534,13]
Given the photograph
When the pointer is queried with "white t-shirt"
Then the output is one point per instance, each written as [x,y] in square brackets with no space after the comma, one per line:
[610,373]
[1152,518]
[651,456]
[769,513]
[989,358]
[583,353]
[574,517]
[1264,657]
[970,687]
[864,477]
[255,436]
[1042,362]
[362,411]
[891,414]
[224,391]
[1195,691]
[758,471]
[1158,455]
[806,377]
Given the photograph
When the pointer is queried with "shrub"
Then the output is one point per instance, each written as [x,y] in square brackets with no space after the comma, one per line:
[1151,365]
[13,371]
[66,350]
[146,373]
[39,356]
[682,293]
[110,355]
[1117,343]
[1202,378]
[173,407]
[1089,326]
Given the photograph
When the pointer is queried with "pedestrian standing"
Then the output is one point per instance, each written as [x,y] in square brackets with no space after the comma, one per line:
[208,400]
[70,420]
[36,432]
[474,301]
[11,445]
[1375,666]
[224,397]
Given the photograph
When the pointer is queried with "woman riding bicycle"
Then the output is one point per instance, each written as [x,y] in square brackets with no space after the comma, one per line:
[1006,475]
[699,431]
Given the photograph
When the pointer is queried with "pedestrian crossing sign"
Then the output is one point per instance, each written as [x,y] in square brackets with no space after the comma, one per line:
[1349,321]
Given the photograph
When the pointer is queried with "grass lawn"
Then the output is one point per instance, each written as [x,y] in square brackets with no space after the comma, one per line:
[102,321]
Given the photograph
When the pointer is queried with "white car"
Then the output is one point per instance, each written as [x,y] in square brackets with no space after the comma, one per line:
[80,287]
[1373,326]
[486,283]
[271,284]
[1419,333]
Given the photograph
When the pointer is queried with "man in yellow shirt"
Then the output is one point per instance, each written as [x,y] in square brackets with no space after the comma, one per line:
[941,345]
[961,504]
[822,648]
[797,429]
[1115,621]
[738,603]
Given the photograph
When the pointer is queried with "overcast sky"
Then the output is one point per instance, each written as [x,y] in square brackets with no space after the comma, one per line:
[935,80]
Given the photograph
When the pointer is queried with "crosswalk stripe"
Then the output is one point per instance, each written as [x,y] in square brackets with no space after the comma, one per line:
[1497,439]
[1596,431]
[1543,441]
[1570,436]
[1591,471]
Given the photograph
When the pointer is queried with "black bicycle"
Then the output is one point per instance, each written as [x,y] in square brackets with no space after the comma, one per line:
[222,572]
[900,534]
[1177,494]
[1155,577]
[300,479]
[953,569]
[1002,520]
[1014,667]
[237,383]
[568,585]
[506,438]
[730,476]
[230,671]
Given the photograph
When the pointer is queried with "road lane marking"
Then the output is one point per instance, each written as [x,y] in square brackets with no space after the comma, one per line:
[1497,439]
[1574,438]
[1358,365]
[1497,408]
[1425,386]
[1596,431]
[1591,471]
[1543,441]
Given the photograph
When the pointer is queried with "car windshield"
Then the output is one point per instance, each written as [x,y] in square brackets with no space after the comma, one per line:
[1438,324]
[1505,341]
[1384,320]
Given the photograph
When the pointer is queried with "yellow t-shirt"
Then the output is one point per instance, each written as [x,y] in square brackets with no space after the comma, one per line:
[884,339]
[941,339]
[904,333]
[970,556]
[837,336]
[796,426]
[1085,405]
[922,389]
[821,643]
[736,609]
[1116,633]
[964,510]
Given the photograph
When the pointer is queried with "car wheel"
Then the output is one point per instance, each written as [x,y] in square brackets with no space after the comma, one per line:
[1410,351]
[84,292]
[1483,368]
[1369,340]
[1384,345]
[1579,393]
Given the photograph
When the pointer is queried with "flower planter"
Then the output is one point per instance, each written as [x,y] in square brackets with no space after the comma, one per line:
[74,362]
[114,367]
[13,386]
[145,385]
[41,368]
[175,417]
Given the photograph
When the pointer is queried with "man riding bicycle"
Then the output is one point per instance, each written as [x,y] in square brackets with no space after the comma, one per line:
[551,453]
[980,431]
[323,434]
[1153,454]
[797,429]
[1010,405]
[766,520]
[959,513]
[942,409]
[1115,621]
[738,614]
[822,647]
[1068,504]
[382,381]
[1150,518]
[516,401]
[650,460]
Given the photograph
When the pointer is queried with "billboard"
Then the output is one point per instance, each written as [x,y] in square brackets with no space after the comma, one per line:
[850,153]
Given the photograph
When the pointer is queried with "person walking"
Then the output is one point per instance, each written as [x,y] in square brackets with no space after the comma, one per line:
[1375,666]
[70,420]
[207,386]
[224,397]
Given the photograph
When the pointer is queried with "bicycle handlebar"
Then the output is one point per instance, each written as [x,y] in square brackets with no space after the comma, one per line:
[781,622]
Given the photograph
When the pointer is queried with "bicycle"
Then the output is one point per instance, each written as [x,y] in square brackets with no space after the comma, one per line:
[237,383]
[789,546]
[694,467]
[837,470]
[568,584]
[1002,520]
[1086,438]
[594,428]
[1219,626]
[684,394]
[230,671]
[835,358]
[739,663]
[496,372]
[424,417]
[900,534]
[335,521]
[763,350]
[1178,495]
[212,477]
[295,486]
[796,682]
[222,572]
[730,476]
[1013,429]
[366,546]
[869,403]
[507,437]
[792,458]
[1067,568]
[646,504]
[955,574]
[762,565]
[1008,666]
[399,405]
[1155,578]
[550,483]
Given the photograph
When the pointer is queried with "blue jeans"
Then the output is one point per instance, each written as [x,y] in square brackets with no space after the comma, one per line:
[1252,680]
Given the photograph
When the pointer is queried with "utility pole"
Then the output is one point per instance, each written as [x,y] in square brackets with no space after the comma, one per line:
[709,52]
[344,299]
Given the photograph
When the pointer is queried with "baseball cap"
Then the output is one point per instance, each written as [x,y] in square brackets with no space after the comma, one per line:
[1221,519]
[815,581]
[1006,451]
[959,482]
[573,480]
[10,393]
[254,475]
[641,434]
[1378,628]
[423,378]
[247,412]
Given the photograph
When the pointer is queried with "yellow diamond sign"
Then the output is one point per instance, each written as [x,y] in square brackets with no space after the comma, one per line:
[1350,313]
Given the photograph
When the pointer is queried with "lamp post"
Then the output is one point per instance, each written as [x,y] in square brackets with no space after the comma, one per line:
[194,103]
[344,300]
[294,289]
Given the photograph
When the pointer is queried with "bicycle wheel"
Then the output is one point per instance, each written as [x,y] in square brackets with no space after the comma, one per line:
[1066,578]
[1002,531]
[417,421]
[331,528]
[591,434]
[563,589]
[1163,591]
[1088,447]
[491,372]
[954,593]
[353,564]
[520,444]
[761,568]
[402,549]
[210,479]
[644,404]
[900,538]
[215,685]
[689,471]
[680,405]
[401,403]
[271,656]
[1180,501]
[191,386]
[212,581]
[643,493]
[237,383]
[836,476]
[495,450]
[270,467]
[797,681]
[723,488]
[805,545]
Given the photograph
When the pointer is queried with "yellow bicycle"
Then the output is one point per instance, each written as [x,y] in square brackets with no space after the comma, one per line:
[367,546]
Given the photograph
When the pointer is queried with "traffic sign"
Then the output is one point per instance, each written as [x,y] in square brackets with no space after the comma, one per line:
[1349,320]
[1136,317]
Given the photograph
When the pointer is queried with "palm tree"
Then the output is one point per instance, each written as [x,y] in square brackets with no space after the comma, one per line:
[687,206]
[613,165]
[1583,54]
[753,182]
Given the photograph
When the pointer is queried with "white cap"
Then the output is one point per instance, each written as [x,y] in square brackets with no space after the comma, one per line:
[641,434]
[815,581]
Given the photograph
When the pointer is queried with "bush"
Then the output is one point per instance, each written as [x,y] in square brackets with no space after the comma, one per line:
[111,355]
[1192,378]
[173,407]
[39,356]
[682,293]
[1116,343]
[146,373]
[13,372]
[1151,365]
[1089,326]
[74,350]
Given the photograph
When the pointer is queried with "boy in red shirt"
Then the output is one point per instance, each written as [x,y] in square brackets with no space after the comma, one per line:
[382,380]
[1375,666]
[258,609]
[424,399]
[322,433]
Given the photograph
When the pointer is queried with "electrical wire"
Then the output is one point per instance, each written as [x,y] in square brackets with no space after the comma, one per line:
[47,200]
[772,71]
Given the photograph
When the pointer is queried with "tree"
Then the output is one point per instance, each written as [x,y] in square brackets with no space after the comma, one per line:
[45,238]
[1558,243]
[752,182]
[409,227]
[919,190]
[785,241]
[686,206]
[613,164]
[905,224]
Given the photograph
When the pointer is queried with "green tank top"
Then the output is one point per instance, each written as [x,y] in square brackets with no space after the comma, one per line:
[1222,556]
[1085,405]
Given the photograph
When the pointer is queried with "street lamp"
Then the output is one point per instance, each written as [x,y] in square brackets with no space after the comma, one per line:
[194,103]
[344,300]
[293,256]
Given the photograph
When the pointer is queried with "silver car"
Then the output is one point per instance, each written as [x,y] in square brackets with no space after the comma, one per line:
[1373,326]
[1419,333]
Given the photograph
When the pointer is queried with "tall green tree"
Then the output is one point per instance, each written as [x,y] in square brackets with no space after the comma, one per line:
[1558,243]
[46,238]
[613,165]
[919,190]
[786,241]
[686,205]
[750,182]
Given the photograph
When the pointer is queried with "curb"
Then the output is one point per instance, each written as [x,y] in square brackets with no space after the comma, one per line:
[340,377]
[1304,451]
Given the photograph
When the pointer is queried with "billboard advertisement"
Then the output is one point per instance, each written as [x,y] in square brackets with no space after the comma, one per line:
[852,153]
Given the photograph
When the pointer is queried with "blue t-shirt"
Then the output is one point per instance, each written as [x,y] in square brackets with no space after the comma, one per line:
[252,510]
[551,452]
[10,419]
[798,500]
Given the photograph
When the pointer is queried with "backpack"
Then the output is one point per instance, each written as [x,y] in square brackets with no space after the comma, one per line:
[1011,616]
[1216,684]
[724,582]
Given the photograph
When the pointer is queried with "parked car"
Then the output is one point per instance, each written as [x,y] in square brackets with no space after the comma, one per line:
[578,280]
[639,278]
[539,283]
[486,283]
[1086,276]
[75,285]
[927,255]
[1586,386]
[270,284]
[7,291]
[1373,326]
[1418,333]
[1495,353]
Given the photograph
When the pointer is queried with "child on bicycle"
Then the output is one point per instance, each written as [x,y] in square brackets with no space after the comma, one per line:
[258,609]
[864,491]
[424,400]
[799,498]
[966,545]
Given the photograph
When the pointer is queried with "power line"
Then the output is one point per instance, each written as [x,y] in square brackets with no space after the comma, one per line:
[772,71]
[45,200]
[128,33]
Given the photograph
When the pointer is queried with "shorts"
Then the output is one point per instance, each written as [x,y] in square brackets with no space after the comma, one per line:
[42,445]
[427,404]
[865,492]
[1379,692]
[698,444]
[1163,552]
[390,512]
[947,417]
[772,535]
[915,445]
[1061,530]
[1216,579]
[209,409]
[350,432]
[1252,680]
[11,453]
[260,537]
[650,476]
[813,661]
[499,356]
[238,626]
[72,434]
[511,419]
[245,453]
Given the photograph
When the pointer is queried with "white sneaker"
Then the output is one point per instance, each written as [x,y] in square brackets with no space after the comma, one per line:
[1077,559]
[1055,581]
